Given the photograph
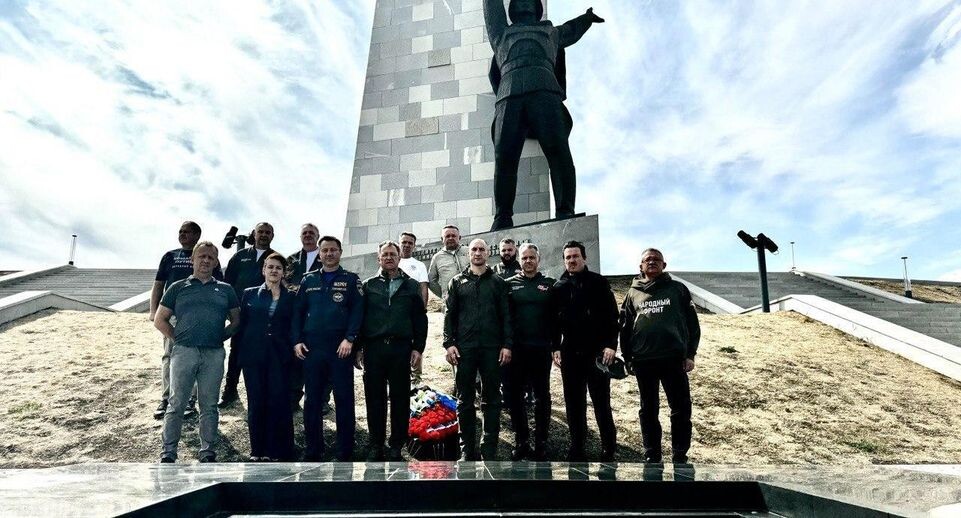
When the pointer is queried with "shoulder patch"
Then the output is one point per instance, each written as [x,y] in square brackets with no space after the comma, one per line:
[360,287]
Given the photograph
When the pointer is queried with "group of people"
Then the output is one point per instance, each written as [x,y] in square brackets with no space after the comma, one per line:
[300,325]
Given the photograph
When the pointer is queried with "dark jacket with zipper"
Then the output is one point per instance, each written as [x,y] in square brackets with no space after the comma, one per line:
[477,312]
[658,320]
[506,271]
[297,267]
[331,310]
[399,317]
[244,270]
[533,314]
[586,314]
[263,337]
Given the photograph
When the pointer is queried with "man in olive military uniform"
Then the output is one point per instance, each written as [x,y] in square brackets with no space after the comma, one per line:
[659,338]
[534,318]
[392,339]
[478,339]
[328,314]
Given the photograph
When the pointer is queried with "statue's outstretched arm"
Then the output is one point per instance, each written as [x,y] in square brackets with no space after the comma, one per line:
[496,19]
[572,31]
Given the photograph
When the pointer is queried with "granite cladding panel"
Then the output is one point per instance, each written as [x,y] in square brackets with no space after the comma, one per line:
[424,155]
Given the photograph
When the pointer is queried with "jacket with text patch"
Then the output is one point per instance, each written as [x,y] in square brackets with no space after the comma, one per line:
[334,309]
[658,320]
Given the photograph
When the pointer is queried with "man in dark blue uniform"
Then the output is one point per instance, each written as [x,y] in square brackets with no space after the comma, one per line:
[327,318]
[174,266]
[244,270]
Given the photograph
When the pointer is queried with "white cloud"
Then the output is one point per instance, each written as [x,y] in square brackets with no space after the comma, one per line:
[131,118]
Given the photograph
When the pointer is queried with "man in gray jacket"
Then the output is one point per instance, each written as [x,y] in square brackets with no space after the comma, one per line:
[659,339]
[447,262]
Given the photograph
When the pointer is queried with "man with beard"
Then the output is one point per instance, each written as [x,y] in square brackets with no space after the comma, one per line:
[659,338]
[244,270]
[587,322]
[508,267]
[477,336]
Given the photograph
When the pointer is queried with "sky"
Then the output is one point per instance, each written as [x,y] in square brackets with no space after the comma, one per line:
[835,125]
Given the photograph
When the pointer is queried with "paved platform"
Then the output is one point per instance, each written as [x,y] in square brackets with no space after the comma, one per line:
[479,489]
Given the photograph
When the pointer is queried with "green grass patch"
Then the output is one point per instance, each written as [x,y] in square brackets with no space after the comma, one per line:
[865,445]
[24,408]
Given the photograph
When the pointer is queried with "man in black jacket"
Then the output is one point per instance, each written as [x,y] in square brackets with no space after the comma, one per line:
[587,322]
[530,296]
[508,267]
[244,270]
[659,337]
[392,339]
[306,260]
[477,336]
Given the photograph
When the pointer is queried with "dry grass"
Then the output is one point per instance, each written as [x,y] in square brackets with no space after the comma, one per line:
[80,387]
[938,293]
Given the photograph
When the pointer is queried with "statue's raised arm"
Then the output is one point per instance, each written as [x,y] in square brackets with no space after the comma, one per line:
[496,19]
[572,31]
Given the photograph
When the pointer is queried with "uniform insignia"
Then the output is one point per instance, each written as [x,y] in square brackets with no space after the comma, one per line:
[340,284]
[338,297]
[360,287]
[542,287]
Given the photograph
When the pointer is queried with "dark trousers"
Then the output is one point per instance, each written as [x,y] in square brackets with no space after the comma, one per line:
[543,115]
[387,370]
[529,366]
[269,418]
[232,378]
[669,373]
[581,376]
[296,377]
[323,367]
[484,361]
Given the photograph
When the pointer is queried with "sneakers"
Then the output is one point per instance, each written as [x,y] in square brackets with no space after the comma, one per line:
[166,460]
[158,414]
[228,398]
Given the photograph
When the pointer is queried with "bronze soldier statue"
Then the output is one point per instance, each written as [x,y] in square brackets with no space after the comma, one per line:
[527,73]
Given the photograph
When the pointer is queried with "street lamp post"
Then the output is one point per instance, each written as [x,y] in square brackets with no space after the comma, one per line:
[907,280]
[761,243]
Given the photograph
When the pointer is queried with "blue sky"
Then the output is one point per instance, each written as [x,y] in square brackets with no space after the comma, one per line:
[835,125]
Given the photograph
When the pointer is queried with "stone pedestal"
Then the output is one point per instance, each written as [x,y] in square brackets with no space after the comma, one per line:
[549,236]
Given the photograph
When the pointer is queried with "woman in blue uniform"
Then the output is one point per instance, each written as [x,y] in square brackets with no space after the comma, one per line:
[266,349]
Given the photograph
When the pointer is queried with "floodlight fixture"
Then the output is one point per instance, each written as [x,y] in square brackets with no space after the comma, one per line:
[761,243]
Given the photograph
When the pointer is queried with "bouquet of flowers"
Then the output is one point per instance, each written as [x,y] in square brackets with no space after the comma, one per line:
[433,424]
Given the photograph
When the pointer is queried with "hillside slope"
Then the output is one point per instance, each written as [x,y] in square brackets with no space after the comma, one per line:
[80,387]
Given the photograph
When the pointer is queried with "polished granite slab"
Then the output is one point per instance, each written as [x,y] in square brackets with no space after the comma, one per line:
[113,489]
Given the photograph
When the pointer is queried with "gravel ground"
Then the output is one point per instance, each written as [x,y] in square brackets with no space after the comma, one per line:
[777,388]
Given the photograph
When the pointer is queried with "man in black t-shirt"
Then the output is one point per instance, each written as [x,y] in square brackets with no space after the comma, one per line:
[174,266]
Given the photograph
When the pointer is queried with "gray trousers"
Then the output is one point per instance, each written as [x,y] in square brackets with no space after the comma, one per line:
[165,368]
[188,366]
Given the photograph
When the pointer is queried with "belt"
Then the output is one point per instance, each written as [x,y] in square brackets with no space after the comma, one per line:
[387,340]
